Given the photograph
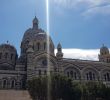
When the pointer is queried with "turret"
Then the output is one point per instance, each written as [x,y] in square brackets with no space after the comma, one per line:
[104,55]
[59,53]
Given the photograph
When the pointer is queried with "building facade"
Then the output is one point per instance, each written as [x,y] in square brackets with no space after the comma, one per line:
[33,61]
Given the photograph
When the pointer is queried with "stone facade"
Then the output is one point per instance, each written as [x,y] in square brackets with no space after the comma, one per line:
[36,59]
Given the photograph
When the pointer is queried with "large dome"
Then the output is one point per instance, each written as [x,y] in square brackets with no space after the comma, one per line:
[8,56]
[38,37]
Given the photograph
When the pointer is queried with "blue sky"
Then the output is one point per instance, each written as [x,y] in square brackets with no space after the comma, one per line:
[81,24]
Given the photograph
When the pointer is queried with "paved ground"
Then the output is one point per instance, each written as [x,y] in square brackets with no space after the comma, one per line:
[14,95]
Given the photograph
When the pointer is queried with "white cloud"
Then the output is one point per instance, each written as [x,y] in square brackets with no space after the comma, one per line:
[77,3]
[89,7]
[84,54]
[97,10]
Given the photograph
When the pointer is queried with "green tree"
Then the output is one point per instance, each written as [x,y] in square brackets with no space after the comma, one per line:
[38,88]
[61,87]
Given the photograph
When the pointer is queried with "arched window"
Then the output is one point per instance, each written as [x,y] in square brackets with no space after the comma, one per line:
[93,76]
[38,46]
[33,47]
[71,73]
[13,84]
[11,56]
[5,83]
[107,77]
[87,76]
[75,76]
[39,72]
[90,76]
[68,74]
[6,55]
[0,55]
[45,72]
[44,46]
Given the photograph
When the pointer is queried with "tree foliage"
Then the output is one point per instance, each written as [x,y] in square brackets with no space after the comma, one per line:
[63,88]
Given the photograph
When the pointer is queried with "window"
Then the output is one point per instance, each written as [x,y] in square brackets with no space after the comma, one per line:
[87,76]
[33,47]
[39,72]
[107,77]
[13,84]
[68,74]
[44,46]
[45,72]
[93,76]
[4,83]
[75,77]
[11,56]
[0,55]
[38,46]
[45,62]
[71,73]
[90,76]
[6,55]
[59,49]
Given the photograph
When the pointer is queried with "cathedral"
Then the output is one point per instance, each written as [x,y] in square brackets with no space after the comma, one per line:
[35,57]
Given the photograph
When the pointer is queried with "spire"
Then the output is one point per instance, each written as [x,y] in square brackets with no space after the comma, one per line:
[59,47]
[35,23]
[7,42]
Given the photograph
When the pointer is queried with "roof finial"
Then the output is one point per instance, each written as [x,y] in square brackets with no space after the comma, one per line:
[103,44]
[7,42]
[35,23]
[35,13]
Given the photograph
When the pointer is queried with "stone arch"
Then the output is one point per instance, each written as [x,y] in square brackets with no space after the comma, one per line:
[44,56]
[5,83]
[0,55]
[12,83]
[90,74]
[45,46]
[41,63]
[72,72]
[38,46]
[105,74]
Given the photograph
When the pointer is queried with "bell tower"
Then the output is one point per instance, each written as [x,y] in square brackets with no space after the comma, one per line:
[59,53]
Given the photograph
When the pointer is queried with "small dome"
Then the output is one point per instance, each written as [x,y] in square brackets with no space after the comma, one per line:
[104,50]
[8,57]
[7,47]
